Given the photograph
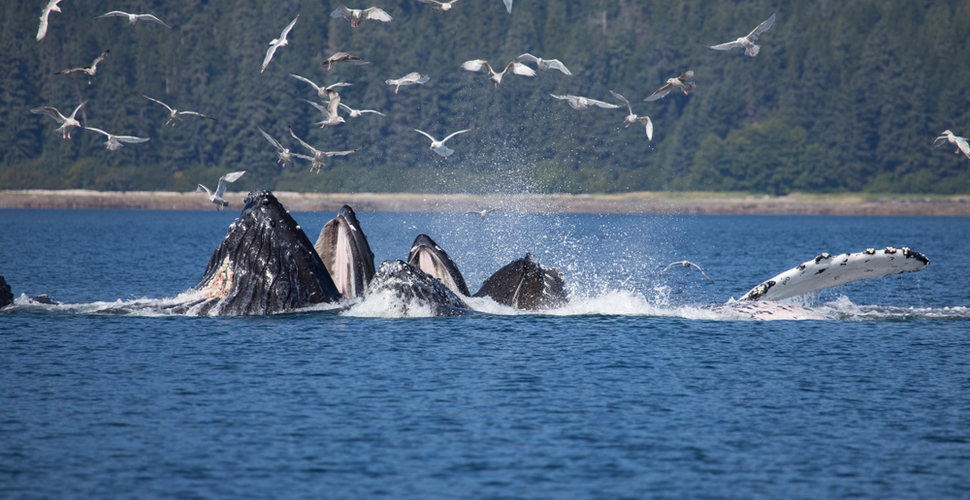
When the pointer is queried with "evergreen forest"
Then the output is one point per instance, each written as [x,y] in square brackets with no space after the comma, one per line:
[844,96]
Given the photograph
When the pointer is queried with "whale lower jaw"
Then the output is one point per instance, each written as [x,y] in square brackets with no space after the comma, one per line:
[343,248]
[426,255]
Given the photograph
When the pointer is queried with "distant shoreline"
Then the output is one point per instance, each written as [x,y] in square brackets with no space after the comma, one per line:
[660,202]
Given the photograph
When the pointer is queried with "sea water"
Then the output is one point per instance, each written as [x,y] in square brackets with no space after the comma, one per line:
[637,388]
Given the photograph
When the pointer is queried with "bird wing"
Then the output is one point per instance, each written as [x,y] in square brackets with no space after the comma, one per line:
[342,153]
[131,139]
[725,46]
[343,12]
[100,58]
[687,75]
[618,96]
[269,56]
[334,103]
[286,30]
[602,104]
[271,140]
[528,58]
[555,64]
[114,13]
[97,130]
[149,17]
[476,65]
[672,264]
[336,85]
[305,157]
[225,180]
[426,135]
[197,114]
[417,77]
[319,107]
[42,28]
[311,148]
[376,14]
[963,146]
[77,109]
[520,69]
[761,28]
[508,5]
[298,77]
[170,110]
[660,93]
[371,111]
[649,127]
[939,141]
[203,189]
[52,112]
[443,141]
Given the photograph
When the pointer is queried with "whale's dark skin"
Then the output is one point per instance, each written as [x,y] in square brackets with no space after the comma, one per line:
[526,284]
[411,284]
[6,296]
[343,248]
[265,265]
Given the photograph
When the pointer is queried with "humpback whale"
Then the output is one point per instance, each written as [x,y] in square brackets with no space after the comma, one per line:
[411,285]
[344,250]
[525,284]
[265,265]
[6,295]
[427,256]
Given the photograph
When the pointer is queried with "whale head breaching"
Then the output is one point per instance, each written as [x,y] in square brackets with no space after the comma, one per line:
[412,286]
[265,265]
[344,250]
[526,284]
[427,256]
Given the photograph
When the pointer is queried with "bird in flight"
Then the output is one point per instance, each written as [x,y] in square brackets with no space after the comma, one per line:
[496,78]
[321,91]
[134,18]
[633,118]
[174,114]
[277,43]
[688,265]
[67,122]
[750,49]
[408,79]
[91,70]
[579,102]
[355,16]
[544,64]
[44,14]
[440,7]
[681,82]
[319,156]
[439,146]
[483,213]
[960,142]
[114,142]
[283,154]
[216,197]
[342,57]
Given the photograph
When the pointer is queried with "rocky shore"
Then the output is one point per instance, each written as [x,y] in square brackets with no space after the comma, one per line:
[640,202]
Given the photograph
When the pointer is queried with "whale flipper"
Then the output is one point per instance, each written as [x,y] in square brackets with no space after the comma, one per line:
[427,256]
[826,271]
[265,265]
[344,250]
[526,284]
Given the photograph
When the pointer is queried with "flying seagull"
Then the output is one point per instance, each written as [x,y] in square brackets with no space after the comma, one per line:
[633,118]
[174,114]
[750,49]
[67,123]
[321,91]
[544,64]
[482,213]
[224,181]
[342,57]
[42,29]
[330,116]
[687,265]
[959,142]
[496,78]
[579,102]
[440,7]
[114,142]
[91,70]
[319,156]
[355,113]
[408,79]
[355,16]
[134,18]
[439,146]
[681,82]
[277,43]
[283,154]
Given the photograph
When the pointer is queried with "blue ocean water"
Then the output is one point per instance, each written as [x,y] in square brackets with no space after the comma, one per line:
[636,389]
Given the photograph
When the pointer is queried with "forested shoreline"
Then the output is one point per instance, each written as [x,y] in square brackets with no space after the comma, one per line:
[845,96]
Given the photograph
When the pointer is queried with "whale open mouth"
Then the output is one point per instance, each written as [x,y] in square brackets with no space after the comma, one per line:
[427,256]
[343,248]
